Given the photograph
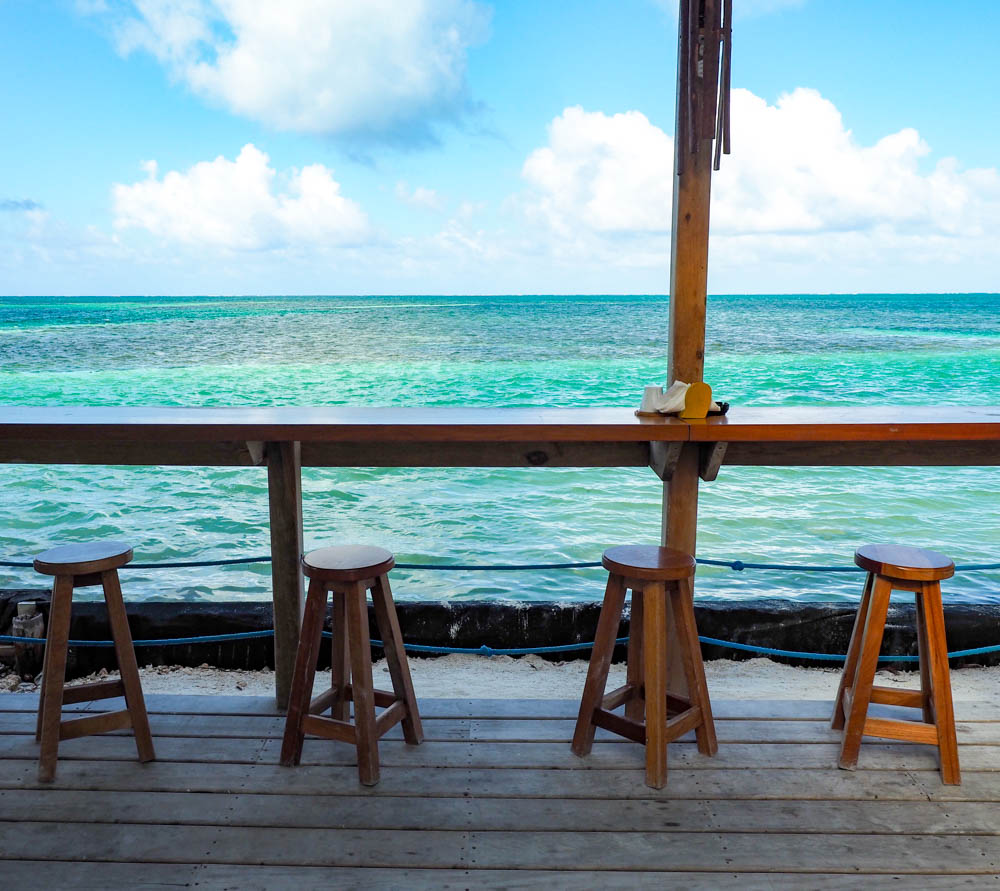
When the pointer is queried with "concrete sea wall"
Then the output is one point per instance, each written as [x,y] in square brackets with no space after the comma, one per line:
[817,627]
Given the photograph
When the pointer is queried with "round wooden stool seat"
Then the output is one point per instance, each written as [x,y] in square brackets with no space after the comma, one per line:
[84,559]
[649,563]
[347,563]
[901,562]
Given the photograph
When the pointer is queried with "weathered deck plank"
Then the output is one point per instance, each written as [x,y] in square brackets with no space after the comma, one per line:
[707,851]
[99,876]
[608,755]
[490,709]
[498,730]
[512,815]
[494,798]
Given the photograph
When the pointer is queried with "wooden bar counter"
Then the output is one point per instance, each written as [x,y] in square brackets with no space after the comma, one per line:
[287,438]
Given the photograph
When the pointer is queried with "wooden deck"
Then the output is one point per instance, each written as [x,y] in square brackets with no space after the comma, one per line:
[494,798]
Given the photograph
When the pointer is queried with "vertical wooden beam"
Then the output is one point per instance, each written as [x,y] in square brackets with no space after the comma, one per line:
[284,491]
[688,290]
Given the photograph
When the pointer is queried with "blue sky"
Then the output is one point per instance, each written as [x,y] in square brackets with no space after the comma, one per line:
[452,146]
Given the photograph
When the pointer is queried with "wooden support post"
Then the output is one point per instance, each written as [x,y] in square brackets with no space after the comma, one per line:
[688,290]
[284,488]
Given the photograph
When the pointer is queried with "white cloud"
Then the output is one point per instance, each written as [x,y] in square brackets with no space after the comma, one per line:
[603,173]
[798,187]
[373,70]
[419,196]
[241,205]
[797,169]
[801,205]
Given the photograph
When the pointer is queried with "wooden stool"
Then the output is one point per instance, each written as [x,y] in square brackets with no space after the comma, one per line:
[653,574]
[349,572]
[909,569]
[77,566]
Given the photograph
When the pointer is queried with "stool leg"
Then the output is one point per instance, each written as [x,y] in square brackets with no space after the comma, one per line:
[851,662]
[654,643]
[944,712]
[305,673]
[361,686]
[682,601]
[395,657]
[56,645]
[340,659]
[864,677]
[600,663]
[128,668]
[924,657]
[635,708]
[41,693]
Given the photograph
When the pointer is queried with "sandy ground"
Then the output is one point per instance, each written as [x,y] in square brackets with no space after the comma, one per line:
[529,677]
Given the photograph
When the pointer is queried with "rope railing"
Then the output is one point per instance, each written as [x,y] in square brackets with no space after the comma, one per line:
[484,649]
[735,565]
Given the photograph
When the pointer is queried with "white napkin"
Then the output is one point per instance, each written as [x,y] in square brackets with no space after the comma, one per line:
[669,401]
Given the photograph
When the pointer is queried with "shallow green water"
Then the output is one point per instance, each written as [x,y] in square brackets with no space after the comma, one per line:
[519,350]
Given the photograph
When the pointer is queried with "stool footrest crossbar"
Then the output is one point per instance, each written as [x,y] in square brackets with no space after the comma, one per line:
[382,698]
[894,696]
[908,731]
[102,723]
[93,692]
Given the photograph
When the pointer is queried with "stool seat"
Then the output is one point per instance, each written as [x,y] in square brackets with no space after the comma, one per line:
[83,559]
[649,563]
[902,562]
[347,563]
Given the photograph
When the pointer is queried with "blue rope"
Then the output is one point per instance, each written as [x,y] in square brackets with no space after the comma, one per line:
[501,567]
[735,565]
[172,565]
[160,642]
[739,566]
[485,650]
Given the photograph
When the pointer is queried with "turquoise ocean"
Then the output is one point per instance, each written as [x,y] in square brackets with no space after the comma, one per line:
[503,351]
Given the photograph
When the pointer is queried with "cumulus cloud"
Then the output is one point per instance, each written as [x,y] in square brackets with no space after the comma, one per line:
[602,172]
[379,70]
[797,182]
[241,205]
[798,169]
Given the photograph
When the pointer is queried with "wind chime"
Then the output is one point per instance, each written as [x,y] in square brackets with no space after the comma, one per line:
[704,72]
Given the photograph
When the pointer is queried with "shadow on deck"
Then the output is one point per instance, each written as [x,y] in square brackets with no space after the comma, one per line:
[494,798]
